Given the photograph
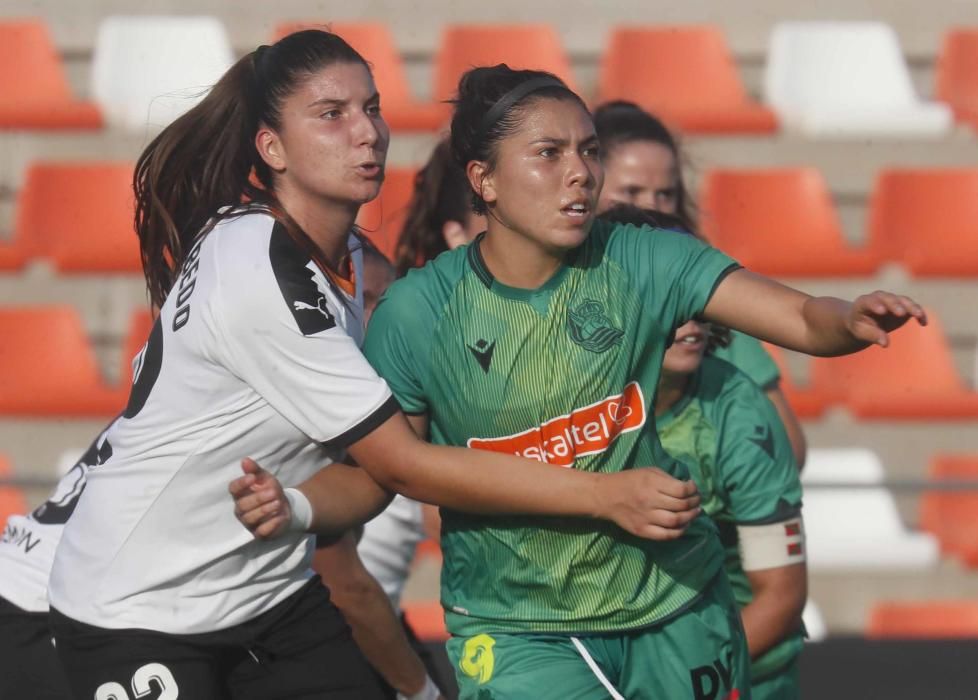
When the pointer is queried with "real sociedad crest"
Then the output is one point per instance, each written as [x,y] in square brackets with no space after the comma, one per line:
[589,327]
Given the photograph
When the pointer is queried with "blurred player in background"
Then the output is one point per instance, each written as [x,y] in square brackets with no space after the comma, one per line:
[30,665]
[644,167]
[712,417]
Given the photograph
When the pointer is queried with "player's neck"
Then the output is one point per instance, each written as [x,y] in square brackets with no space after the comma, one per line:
[516,260]
[328,224]
[672,387]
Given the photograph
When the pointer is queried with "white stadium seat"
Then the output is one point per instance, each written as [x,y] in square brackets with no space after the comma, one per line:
[149,70]
[846,79]
[857,527]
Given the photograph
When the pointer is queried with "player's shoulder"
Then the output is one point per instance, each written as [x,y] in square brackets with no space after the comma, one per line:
[723,383]
[631,244]
[423,292]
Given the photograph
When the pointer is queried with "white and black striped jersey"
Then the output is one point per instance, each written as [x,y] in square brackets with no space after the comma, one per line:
[254,355]
[29,541]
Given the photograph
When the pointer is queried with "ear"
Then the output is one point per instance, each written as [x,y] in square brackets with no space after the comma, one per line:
[481,180]
[454,234]
[269,147]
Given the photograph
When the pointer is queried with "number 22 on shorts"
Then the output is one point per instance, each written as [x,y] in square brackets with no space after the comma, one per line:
[141,685]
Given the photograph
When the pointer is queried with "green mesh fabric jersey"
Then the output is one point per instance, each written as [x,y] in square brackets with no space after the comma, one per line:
[749,356]
[725,428]
[564,374]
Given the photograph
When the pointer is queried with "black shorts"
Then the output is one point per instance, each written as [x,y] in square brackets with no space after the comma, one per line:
[300,649]
[29,666]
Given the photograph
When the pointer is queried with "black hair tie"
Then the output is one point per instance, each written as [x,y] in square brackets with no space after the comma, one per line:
[506,102]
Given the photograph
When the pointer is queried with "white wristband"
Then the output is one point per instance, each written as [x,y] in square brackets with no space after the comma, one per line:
[429,692]
[301,510]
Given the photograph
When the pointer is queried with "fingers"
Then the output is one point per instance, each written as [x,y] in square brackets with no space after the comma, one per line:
[271,528]
[669,485]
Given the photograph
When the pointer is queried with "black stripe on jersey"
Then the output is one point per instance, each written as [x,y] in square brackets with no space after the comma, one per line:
[732,267]
[478,263]
[306,302]
[367,425]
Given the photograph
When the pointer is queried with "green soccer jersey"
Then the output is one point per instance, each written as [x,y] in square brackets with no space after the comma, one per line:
[564,374]
[730,435]
[749,356]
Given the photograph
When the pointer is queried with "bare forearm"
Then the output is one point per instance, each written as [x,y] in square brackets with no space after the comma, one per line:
[767,622]
[343,497]
[475,480]
[380,636]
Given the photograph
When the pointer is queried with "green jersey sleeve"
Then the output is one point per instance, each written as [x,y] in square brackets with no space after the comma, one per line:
[756,468]
[676,272]
[748,355]
[395,344]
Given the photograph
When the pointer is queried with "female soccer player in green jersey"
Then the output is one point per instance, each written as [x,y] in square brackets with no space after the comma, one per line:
[643,166]
[712,417]
[544,338]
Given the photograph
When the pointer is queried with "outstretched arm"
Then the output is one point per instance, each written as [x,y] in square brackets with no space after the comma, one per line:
[823,326]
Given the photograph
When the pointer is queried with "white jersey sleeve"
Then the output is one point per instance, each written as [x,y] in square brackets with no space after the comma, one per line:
[281,335]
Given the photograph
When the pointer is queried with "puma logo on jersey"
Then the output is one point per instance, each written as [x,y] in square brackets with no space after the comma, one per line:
[320,307]
[482,351]
[584,431]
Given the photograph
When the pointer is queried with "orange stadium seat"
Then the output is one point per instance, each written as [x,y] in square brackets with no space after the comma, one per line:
[924,620]
[374,42]
[957,80]
[928,219]
[914,378]
[519,46]
[79,215]
[12,501]
[35,91]
[47,367]
[427,619]
[780,221]
[140,324]
[383,218]
[952,516]
[805,402]
[685,75]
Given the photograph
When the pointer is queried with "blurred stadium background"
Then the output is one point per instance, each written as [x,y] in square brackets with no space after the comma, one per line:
[831,144]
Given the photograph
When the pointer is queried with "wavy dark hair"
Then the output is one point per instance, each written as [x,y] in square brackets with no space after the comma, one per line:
[202,166]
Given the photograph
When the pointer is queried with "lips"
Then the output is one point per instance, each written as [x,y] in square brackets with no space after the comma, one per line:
[579,209]
[690,341]
[370,169]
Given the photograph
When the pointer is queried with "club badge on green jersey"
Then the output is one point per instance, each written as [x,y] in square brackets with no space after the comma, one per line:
[589,327]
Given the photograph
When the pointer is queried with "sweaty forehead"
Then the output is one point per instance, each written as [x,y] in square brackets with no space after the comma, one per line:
[338,81]
[560,118]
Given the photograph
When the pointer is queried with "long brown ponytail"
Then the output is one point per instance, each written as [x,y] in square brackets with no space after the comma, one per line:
[206,159]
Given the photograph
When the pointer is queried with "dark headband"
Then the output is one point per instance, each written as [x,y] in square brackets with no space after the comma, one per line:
[505,103]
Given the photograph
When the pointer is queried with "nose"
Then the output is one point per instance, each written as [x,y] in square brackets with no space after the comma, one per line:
[371,131]
[582,172]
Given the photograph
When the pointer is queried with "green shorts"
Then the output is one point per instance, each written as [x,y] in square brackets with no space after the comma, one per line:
[700,654]
[783,685]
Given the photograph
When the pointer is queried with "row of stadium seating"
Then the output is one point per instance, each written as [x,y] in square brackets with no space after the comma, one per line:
[779,221]
[822,78]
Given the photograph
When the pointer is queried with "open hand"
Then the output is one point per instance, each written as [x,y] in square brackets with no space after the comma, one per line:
[648,502]
[873,316]
[259,502]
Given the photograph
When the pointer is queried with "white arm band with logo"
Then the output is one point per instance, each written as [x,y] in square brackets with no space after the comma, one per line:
[773,545]
[301,510]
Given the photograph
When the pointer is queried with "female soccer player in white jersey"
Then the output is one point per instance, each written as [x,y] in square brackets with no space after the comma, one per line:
[545,338]
[244,211]
[643,167]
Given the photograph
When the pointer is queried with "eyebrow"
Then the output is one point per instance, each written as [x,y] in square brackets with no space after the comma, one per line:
[332,101]
[561,142]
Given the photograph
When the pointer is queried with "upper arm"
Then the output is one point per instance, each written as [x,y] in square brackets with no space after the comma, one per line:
[760,307]
[782,582]
[277,331]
